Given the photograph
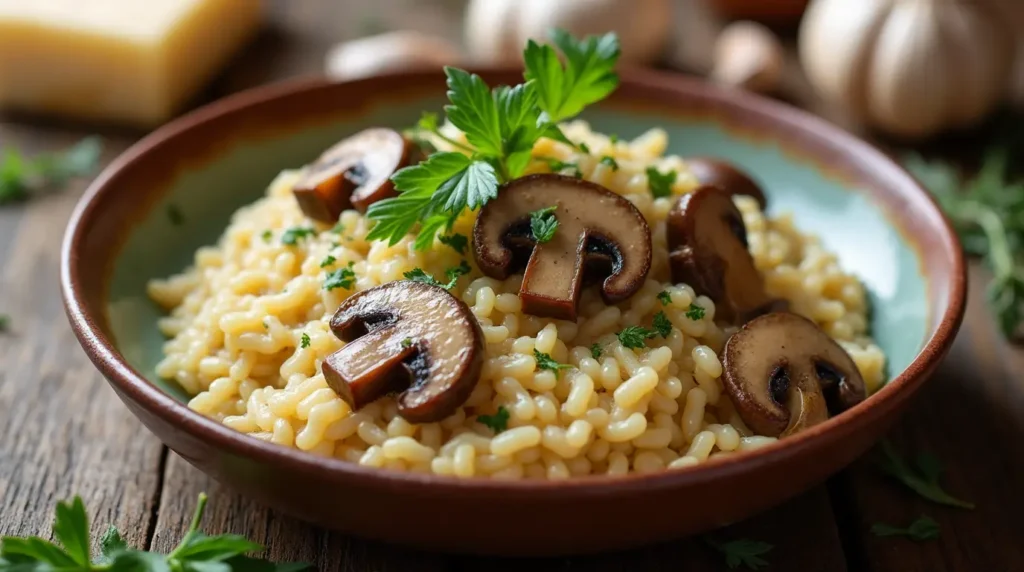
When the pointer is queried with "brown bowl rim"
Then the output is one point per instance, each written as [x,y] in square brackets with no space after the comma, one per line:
[783,118]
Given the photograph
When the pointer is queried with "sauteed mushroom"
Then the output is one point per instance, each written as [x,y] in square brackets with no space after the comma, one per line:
[354,173]
[708,250]
[594,225]
[726,176]
[406,337]
[784,374]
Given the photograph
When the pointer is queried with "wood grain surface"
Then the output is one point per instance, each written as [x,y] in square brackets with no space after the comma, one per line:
[63,431]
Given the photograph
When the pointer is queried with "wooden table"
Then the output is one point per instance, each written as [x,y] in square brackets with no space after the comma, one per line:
[63,432]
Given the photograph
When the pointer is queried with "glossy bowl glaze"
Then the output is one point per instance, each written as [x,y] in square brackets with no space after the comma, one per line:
[883,226]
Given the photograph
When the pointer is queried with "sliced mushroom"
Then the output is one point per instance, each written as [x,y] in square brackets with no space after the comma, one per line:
[594,224]
[725,175]
[354,173]
[784,374]
[406,337]
[708,250]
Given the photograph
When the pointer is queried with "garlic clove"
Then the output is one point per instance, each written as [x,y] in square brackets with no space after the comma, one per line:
[748,55]
[392,51]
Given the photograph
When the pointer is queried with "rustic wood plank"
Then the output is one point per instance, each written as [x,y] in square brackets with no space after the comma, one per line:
[63,432]
[286,538]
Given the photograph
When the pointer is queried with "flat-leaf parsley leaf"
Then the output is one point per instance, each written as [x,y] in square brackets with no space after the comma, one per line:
[923,528]
[21,177]
[543,224]
[293,235]
[610,162]
[341,278]
[497,422]
[304,341]
[660,183]
[457,242]
[924,480]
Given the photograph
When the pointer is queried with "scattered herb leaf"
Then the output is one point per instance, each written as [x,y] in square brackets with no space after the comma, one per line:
[196,552]
[695,312]
[662,325]
[633,337]
[341,278]
[543,224]
[544,361]
[293,235]
[497,422]
[611,162]
[328,261]
[587,77]
[665,297]
[660,183]
[923,528]
[453,274]
[304,341]
[613,138]
[338,228]
[21,177]
[595,350]
[924,480]
[457,242]
[407,342]
[557,166]
[267,235]
[742,552]
[583,147]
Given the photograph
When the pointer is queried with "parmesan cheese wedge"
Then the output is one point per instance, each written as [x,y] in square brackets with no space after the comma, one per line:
[125,61]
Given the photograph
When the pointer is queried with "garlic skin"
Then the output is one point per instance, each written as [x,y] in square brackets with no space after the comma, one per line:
[912,68]
[497,30]
[749,56]
[392,51]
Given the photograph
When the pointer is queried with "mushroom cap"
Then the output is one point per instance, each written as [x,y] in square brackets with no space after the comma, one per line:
[784,374]
[707,244]
[354,173]
[726,176]
[593,224]
[407,337]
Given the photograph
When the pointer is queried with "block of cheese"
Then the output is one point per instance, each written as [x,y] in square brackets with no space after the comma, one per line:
[125,61]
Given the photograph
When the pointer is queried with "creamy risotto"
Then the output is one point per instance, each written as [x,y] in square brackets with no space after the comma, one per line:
[248,330]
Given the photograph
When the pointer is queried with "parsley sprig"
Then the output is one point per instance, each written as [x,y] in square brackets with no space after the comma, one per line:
[197,552]
[545,361]
[633,337]
[501,126]
[20,177]
[923,478]
[660,183]
[742,551]
[923,528]
[497,422]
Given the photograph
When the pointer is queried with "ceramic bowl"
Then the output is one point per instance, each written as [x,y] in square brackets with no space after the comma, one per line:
[881,223]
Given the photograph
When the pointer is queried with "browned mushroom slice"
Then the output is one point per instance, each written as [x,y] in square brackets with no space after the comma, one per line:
[784,374]
[406,337]
[593,223]
[708,250]
[724,175]
[354,173]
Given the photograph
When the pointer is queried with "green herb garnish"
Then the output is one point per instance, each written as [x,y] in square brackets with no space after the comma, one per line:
[544,361]
[293,235]
[196,552]
[660,183]
[924,480]
[501,126]
[5,323]
[457,242]
[21,177]
[341,278]
[543,224]
[610,161]
[633,337]
[453,274]
[987,215]
[328,261]
[583,147]
[406,342]
[662,325]
[742,552]
[497,422]
[557,166]
[595,350]
[338,228]
[924,528]
[665,297]
[267,235]
[304,341]
[695,312]
[613,138]
[175,215]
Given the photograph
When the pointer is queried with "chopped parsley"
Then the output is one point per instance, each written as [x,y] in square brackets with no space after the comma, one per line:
[267,235]
[660,183]
[595,350]
[407,342]
[457,242]
[662,325]
[174,215]
[543,224]
[633,337]
[338,228]
[583,147]
[695,312]
[557,166]
[544,361]
[497,422]
[293,235]
[453,274]
[304,341]
[330,260]
[21,177]
[922,478]
[665,297]
[613,138]
[924,528]
[611,162]
[341,278]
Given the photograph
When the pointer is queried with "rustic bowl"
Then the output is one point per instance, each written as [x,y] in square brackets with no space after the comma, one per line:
[883,226]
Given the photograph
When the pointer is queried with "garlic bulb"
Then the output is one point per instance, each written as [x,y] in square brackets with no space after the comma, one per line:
[388,52]
[909,67]
[748,55]
[497,30]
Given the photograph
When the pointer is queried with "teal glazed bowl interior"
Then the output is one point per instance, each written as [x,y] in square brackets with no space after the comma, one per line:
[883,226]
